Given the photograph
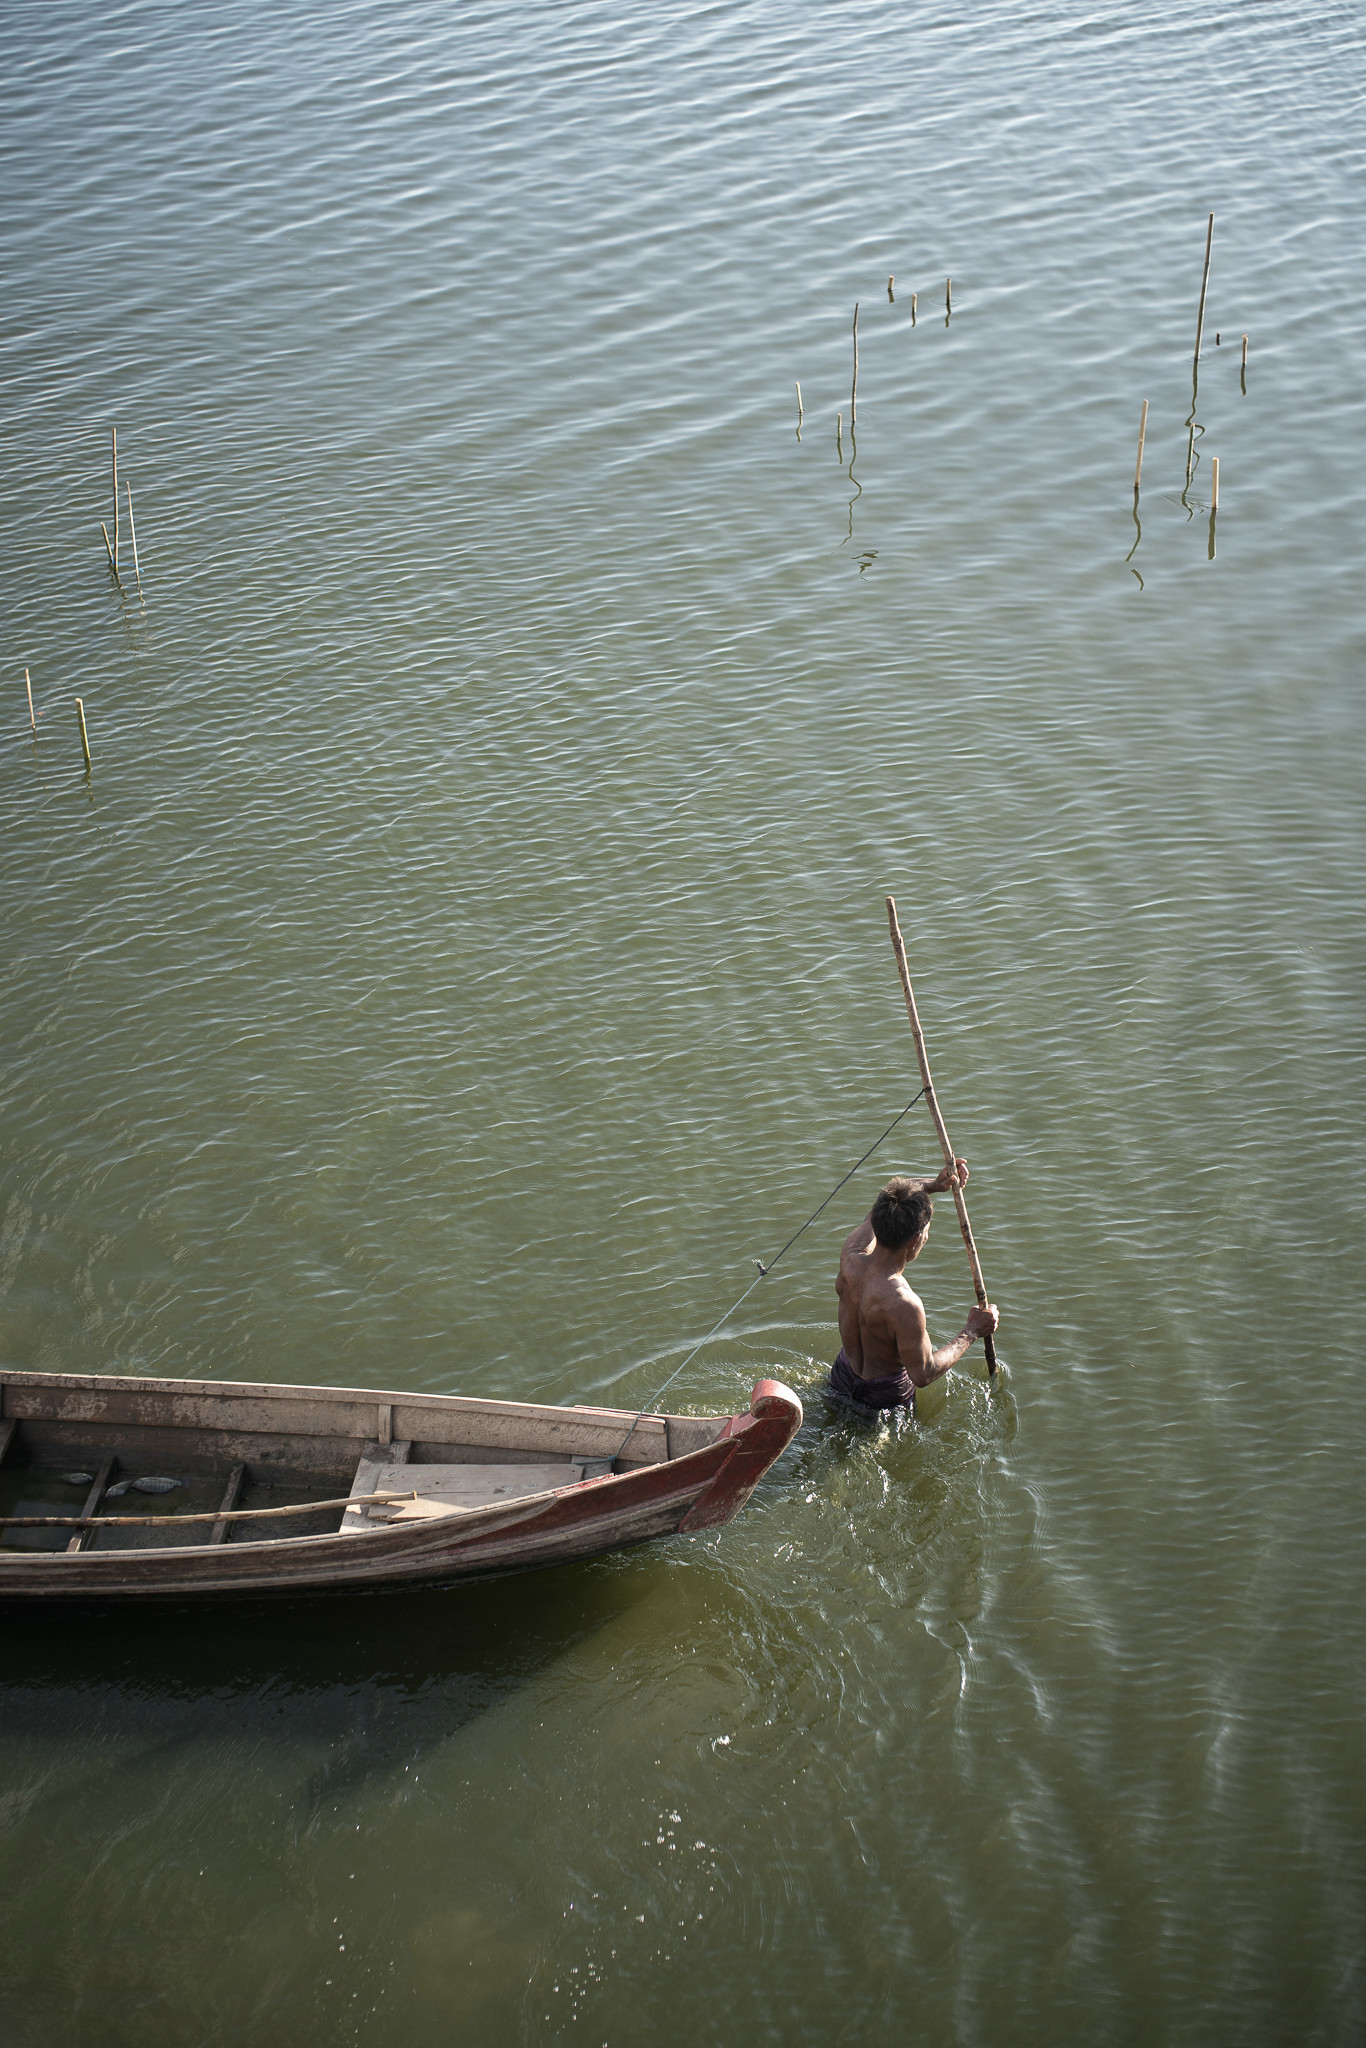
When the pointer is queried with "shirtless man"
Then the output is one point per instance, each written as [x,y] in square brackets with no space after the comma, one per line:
[885,1349]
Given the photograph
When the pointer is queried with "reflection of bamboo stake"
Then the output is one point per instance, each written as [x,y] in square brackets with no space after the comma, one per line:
[29,687]
[931,1099]
[853,395]
[114,458]
[1214,484]
[133,532]
[1142,430]
[1204,286]
[108,550]
[85,737]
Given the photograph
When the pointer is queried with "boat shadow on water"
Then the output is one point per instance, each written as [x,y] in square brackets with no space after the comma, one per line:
[360,1681]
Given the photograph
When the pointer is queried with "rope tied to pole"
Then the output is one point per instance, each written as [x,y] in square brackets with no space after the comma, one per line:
[764,1271]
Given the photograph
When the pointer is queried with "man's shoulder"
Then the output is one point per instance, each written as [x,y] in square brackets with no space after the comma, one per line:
[907,1295]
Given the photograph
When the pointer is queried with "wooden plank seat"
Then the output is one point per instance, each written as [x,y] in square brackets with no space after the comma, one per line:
[447,1489]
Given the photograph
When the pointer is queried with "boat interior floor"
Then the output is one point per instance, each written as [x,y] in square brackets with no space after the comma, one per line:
[102,1484]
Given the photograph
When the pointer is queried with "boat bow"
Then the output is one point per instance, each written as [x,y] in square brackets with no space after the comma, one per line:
[757,1440]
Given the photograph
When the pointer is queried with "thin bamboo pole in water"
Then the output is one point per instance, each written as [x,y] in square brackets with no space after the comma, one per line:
[133,536]
[853,395]
[1204,287]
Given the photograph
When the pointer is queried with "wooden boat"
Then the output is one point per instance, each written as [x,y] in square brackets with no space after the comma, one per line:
[304,1489]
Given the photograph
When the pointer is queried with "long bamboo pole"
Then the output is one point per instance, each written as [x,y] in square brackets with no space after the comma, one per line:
[307,1507]
[898,947]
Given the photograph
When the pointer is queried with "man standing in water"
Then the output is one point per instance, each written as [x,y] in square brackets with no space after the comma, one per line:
[885,1349]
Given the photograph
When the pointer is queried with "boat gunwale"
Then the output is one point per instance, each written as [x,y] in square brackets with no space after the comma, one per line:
[129,1383]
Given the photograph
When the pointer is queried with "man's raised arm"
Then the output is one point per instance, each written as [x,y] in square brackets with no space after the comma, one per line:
[941,1183]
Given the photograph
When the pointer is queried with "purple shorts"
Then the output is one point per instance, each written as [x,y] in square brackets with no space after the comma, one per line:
[894,1390]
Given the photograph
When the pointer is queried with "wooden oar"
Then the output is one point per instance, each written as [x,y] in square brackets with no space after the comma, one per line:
[959,1204]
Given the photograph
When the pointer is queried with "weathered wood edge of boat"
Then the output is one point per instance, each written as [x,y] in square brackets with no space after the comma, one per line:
[662,1494]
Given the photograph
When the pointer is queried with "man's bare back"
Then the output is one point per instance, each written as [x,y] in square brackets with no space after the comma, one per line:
[882,1319]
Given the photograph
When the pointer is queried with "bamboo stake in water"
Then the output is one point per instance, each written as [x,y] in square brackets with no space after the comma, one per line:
[839,433]
[1204,287]
[132,530]
[913,300]
[948,295]
[85,737]
[959,1204]
[891,295]
[108,550]
[1214,484]
[29,687]
[1244,351]
[799,405]
[853,395]
[1142,430]
[114,458]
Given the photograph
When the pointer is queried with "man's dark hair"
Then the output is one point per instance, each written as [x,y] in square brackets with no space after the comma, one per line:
[900,1213]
